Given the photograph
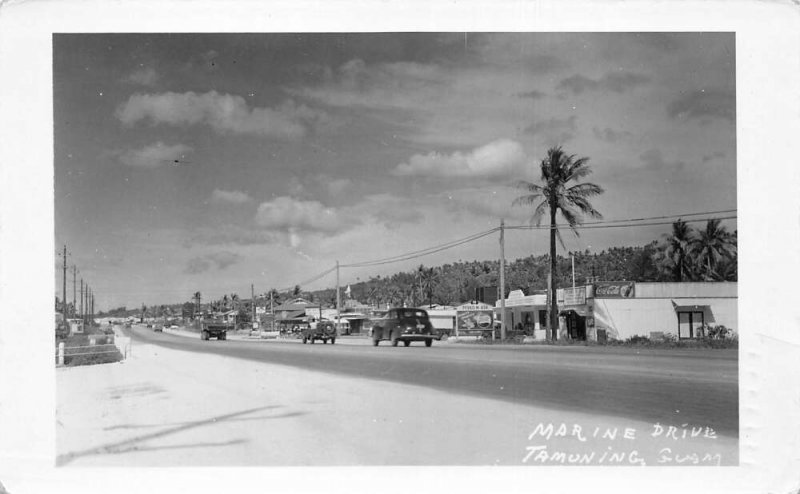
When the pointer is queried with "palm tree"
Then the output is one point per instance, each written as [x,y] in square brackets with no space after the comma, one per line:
[234,301]
[428,281]
[555,195]
[711,247]
[678,251]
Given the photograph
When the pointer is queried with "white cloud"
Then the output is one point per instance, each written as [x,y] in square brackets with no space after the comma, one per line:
[144,76]
[500,158]
[229,196]
[296,216]
[154,155]
[223,112]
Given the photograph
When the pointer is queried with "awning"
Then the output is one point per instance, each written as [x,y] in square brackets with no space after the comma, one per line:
[696,304]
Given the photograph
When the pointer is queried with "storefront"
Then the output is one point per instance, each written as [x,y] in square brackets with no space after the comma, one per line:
[622,309]
[524,314]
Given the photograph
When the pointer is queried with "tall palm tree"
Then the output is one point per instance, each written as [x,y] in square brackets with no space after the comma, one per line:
[234,301]
[556,195]
[711,246]
[678,251]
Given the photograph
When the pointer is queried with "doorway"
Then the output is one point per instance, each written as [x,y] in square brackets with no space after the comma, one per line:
[576,325]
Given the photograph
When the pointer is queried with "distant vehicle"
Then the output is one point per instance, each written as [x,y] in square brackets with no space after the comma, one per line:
[158,327]
[215,329]
[403,324]
[323,330]
[174,326]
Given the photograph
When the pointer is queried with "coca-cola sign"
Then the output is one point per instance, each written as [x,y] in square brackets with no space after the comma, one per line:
[614,289]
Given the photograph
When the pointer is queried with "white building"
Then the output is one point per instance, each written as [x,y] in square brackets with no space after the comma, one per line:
[619,310]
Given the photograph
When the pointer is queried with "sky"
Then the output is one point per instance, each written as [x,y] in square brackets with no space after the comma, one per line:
[210,162]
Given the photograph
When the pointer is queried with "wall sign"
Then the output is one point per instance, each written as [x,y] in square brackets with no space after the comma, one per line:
[614,289]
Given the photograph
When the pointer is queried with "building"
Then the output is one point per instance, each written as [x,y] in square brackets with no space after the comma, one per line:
[620,310]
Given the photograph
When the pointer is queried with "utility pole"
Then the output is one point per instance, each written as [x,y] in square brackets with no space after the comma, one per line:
[74,307]
[502,280]
[573,273]
[253,301]
[271,310]
[338,300]
[83,316]
[64,293]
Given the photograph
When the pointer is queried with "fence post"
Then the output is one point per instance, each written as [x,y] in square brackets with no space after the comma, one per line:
[61,353]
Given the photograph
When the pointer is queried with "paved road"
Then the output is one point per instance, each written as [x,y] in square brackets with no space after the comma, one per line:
[694,387]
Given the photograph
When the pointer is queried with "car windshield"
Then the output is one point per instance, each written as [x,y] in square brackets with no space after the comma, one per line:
[412,314]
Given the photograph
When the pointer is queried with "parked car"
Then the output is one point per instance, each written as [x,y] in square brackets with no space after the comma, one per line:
[323,330]
[403,324]
[158,327]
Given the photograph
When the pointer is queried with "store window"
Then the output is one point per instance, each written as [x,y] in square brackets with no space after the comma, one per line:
[690,324]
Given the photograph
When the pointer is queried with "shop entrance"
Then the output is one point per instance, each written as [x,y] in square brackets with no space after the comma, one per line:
[576,325]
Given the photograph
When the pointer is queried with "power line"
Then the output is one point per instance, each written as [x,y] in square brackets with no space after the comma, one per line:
[422,252]
[592,226]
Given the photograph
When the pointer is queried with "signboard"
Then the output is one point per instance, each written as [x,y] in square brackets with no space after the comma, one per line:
[572,296]
[614,289]
[474,317]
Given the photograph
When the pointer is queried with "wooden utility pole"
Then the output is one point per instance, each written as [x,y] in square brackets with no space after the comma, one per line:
[83,316]
[253,302]
[64,293]
[74,307]
[502,281]
[338,300]
[271,310]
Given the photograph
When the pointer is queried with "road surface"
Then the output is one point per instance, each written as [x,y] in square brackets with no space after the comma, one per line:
[183,401]
[698,387]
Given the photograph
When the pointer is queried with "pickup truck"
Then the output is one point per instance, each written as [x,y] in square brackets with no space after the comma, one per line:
[324,330]
[215,329]
[403,324]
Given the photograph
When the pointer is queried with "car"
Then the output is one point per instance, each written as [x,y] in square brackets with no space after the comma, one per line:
[322,330]
[403,324]
[158,328]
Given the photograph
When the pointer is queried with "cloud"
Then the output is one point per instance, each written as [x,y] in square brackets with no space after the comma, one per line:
[154,155]
[146,76]
[499,158]
[294,216]
[654,160]
[714,103]
[389,209]
[618,82]
[610,135]
[218,260]
[534,94]
[554,131]
[229,196]
[222,112]
[384,85]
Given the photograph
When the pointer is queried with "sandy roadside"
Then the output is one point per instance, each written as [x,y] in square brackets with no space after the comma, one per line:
[165,407]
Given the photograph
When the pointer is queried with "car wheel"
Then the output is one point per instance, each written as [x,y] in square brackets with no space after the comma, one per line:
[324,341]
[375,341]
[394,339]
[429,342]
[407,343]
[204,335]
[333,340]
